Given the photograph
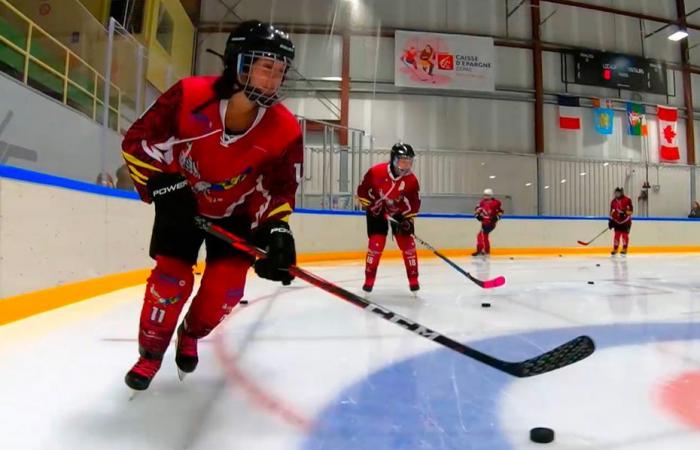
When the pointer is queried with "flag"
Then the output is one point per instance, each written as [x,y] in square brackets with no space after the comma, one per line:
[635,113]
[602,103]
[668,144]
[569,112]
[603,120]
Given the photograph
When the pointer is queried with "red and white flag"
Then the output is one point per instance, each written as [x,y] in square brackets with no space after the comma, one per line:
[668,143]
[569,112]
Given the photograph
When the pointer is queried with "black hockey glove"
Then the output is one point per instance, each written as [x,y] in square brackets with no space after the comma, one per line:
[276,238]
[402,225]
[172,196]
[611,224]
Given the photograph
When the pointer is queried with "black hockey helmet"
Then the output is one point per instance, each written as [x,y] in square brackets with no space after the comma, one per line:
[402,152]
[619,190]
[251,41]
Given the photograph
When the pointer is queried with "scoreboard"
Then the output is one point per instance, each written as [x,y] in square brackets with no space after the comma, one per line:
[618,71]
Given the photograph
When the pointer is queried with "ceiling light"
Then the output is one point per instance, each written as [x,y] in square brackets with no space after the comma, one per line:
[546,187]
[528,184]
[492,176]
[563,181]
[678,35]
[583,174]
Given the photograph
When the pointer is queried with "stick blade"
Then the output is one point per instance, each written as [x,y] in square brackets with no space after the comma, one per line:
[496,282]
[582,243]
[573,351]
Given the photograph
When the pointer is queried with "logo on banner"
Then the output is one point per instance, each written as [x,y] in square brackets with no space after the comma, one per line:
[446,61]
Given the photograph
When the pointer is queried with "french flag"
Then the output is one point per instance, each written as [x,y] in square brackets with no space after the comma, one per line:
[569,112]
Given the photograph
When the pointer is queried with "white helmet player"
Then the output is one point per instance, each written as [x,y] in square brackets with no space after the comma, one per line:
[488,192]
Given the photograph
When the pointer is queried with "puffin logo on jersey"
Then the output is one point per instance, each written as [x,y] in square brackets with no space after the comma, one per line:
[205,186]
[164,300]
[187,163]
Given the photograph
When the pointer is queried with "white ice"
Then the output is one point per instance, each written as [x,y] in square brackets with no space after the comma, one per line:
[301,369]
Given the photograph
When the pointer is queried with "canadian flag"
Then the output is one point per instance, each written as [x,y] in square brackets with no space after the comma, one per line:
[668,144]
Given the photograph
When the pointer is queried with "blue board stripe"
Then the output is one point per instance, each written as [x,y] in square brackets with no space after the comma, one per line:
[31,176]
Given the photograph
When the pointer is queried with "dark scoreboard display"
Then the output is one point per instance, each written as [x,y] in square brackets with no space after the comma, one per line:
[617,71]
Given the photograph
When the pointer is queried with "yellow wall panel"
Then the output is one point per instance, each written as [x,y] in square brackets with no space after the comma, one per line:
[165,68]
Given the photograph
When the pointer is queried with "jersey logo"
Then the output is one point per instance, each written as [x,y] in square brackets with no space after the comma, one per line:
[187,163]
[204,186]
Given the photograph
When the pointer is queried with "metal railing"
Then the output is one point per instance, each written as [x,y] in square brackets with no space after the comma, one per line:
[332,171]
[37,59]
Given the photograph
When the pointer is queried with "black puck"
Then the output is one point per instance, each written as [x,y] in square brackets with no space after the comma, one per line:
[486,305]
[512,257]
[542,435]
[244,302]
[597,265]
[590,282]
[560,256]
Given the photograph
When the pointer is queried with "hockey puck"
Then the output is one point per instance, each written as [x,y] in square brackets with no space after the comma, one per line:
[542,435]
[512,257]
[590,282]
[486,305]
[597,265]
[244,302]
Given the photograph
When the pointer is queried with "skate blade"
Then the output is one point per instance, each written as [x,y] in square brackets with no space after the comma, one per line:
[181,375]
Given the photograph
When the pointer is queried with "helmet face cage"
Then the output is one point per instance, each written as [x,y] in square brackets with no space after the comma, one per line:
[261,76]
[403,164]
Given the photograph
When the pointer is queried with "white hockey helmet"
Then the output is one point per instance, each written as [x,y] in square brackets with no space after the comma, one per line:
[488,192]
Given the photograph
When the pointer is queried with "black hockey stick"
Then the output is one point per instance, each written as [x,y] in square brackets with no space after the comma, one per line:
[568,353]
[486,284]
[597,236]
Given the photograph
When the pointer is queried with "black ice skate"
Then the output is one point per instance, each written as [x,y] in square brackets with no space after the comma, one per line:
[186,356]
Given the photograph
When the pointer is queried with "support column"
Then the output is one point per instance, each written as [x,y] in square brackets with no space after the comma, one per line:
[537,75]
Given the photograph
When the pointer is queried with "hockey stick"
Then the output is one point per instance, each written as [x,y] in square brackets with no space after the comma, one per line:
[568,353]
[485,284]
[597,236]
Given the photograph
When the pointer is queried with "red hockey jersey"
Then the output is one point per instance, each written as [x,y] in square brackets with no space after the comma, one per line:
[254,175]
[489,210]
[381,193]
[621,209]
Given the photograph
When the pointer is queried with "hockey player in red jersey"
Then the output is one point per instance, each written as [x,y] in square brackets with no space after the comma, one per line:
[488,213]
[391,190]
[226,149]
[620,220]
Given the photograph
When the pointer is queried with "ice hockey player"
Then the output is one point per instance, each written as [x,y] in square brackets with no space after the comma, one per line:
[488,212]
[391,190]
[226,149]
[620,220]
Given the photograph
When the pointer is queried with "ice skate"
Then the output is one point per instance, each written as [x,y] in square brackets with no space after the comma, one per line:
[141,375]
[186,353]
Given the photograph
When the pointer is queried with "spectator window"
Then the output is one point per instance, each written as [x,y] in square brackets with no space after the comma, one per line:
[129,13]
[164,32]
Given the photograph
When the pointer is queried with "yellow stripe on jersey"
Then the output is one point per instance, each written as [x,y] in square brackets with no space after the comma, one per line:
[136,173]
[364,201]
[280,209]
[408,216]
[137,162]
[136,180]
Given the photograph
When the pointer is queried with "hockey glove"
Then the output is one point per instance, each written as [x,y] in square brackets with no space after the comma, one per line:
[172,196]
[276,238]
[404,225]
[611,224]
